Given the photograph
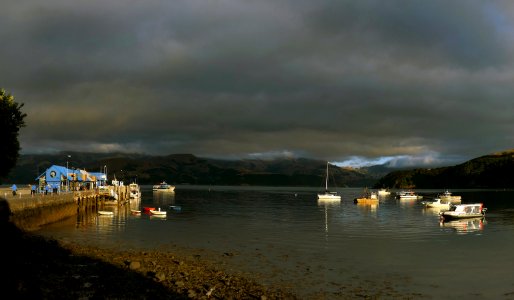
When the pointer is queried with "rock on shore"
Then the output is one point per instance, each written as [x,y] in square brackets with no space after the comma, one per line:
[38,268]
[34,267]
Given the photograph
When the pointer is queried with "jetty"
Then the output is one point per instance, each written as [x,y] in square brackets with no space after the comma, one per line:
[31,211]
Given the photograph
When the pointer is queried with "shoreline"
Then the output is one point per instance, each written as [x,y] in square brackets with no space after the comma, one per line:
[39,267]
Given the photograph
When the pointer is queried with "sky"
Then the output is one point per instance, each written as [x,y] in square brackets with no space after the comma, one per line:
[404,83]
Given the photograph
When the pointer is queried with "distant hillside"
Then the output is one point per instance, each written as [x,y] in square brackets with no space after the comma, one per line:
[489,171]
[187,168]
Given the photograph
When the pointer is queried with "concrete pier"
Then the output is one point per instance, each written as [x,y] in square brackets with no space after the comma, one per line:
[30,212]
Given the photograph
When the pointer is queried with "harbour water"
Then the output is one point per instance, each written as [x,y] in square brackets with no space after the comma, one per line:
[286,237]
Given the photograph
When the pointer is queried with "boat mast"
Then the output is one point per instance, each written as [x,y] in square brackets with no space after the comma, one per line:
[326,179]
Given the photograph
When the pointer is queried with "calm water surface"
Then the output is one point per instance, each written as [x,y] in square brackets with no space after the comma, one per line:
[284,236]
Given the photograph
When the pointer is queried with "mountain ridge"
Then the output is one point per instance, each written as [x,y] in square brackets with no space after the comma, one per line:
[190,169]
[495,170]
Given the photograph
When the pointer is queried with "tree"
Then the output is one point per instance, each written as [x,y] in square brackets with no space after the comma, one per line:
[11,120]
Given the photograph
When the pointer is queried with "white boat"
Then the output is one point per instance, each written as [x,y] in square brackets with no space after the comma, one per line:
[135,193]
[407,195]
[447,196]
[105,213]
[383,192]
[327,195]
[163,187]
[462,211]
[158,212]
[437,203]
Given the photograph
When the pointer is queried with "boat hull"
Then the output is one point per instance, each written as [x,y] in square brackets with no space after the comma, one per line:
[408,197]
[365,201]
[448,216]
[331,197]
[172,189]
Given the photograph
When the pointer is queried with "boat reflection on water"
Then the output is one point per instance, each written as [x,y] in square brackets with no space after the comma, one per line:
[135,205]
[163,199]
[463,226]
[367,208]
[326,203]
[157,217]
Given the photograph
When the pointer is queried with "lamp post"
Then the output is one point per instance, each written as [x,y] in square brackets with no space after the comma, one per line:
[105,170]
[67,174]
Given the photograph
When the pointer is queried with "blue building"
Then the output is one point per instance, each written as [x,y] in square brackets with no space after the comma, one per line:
[64,179]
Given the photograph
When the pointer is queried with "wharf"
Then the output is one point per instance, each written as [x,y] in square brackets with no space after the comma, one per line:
[29,212]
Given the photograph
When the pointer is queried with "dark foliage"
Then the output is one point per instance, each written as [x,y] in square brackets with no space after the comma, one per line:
[11,120]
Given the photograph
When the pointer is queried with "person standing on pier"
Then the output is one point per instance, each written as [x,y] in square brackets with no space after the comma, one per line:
[33,190]
[14,189]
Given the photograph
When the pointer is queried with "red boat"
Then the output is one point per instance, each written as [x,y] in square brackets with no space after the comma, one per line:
[147,209]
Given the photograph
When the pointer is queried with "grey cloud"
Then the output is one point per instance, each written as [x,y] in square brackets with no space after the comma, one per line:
[333,79]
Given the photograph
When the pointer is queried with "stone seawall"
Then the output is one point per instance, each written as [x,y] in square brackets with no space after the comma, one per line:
[31,212]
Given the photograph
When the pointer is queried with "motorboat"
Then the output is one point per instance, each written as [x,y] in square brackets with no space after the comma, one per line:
[135,211]
[437,203]
[327,195]
[383,192]
[462,211]
[367,198]
[447,196]
[163,187]
[407,195]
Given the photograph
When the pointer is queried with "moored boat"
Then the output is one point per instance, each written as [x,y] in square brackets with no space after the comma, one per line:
[158,212]
[447,196]
[383,192]
[147,209]
[407,195]
[327,195]
[134,191]
[367,198]
[163,187]
[437,203]
[462,211]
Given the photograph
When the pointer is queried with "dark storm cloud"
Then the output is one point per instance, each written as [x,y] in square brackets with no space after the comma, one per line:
[426,81]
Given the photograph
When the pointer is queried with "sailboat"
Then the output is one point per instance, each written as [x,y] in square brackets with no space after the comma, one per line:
[327,195]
